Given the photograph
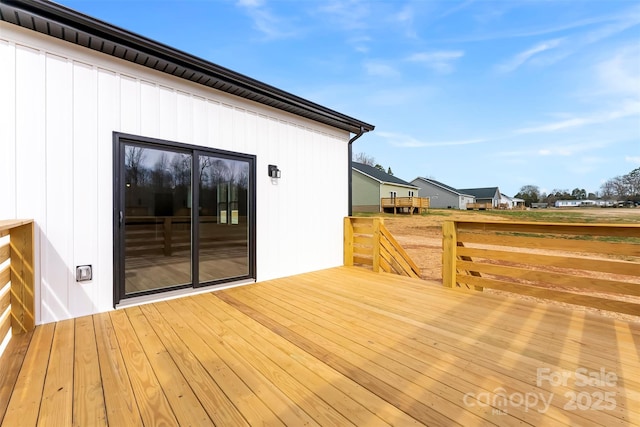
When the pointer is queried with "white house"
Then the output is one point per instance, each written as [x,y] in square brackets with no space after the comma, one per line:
[575,203]
[160,172]
[507,202]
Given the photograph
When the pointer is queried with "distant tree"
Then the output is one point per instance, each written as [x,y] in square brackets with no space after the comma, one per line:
[607,189]
[389,171]
[365,159]
[632,179]
[379,167]
[625,187]
[529,193]
[578,194]
[136,172]
[620,187]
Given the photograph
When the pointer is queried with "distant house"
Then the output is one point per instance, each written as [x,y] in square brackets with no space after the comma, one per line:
[576,203]
[442,195]
[489,195]
[370,184]
[507,202]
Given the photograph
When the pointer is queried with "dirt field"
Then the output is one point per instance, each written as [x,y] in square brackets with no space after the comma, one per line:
[421,235]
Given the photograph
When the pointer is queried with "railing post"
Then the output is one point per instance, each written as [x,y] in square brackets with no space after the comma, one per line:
[376,244]
[167,235]
[348,241]
[449,255]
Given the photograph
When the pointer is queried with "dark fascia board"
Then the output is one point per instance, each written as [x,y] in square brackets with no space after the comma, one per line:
[91,32]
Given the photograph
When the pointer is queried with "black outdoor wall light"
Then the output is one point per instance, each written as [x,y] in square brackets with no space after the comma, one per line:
[274,172]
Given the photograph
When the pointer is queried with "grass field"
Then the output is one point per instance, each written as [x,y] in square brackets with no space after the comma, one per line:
[584,215]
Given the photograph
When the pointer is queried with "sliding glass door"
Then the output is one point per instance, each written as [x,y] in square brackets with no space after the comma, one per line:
[157,218]
[184,216]
[223,222]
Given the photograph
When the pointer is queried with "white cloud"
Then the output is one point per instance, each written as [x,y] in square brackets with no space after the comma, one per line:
[347,14]
[632,159]
[439,61]
[250,3]
[456,9]
[610,23]
[551,51]
[408,141]
[629,108]
[360,43]
[620,73]
[558,148]
[380,69]
[522,57]
[405,18]
[269,24]
[585,165]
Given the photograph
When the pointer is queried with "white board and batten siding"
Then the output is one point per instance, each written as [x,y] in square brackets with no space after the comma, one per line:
[61,104]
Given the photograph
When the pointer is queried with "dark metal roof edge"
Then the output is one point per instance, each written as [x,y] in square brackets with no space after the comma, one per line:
[395,180]
[77,20]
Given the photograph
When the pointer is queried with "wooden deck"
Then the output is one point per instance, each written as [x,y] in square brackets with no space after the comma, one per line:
[337,347]
[411,204]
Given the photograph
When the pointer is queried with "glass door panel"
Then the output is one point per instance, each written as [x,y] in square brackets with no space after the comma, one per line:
[223,228]
[156,218]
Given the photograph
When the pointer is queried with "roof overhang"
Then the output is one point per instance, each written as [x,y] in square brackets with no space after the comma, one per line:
[74,27]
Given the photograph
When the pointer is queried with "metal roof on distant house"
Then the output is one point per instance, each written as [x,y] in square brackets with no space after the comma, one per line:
[444,186]
[74,27]
[380,175]
[482,193]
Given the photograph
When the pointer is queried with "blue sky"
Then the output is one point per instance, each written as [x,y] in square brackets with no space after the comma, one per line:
[471,93]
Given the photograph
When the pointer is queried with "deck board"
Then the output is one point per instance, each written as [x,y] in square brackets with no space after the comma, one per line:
[87,381]
[343,346]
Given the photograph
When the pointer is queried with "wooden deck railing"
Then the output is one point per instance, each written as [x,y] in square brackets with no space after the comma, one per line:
[479,206]
[592,265]
[17,306]
[413,203]
[368,242]
[165,235]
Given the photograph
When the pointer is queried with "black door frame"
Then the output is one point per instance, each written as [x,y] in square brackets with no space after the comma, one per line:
[119,141]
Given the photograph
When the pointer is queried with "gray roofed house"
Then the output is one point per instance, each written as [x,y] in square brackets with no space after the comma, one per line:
[442,195]
[484,195]
[370,184]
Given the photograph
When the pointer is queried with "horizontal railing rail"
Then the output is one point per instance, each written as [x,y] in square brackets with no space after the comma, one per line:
[368,242]
[479,206]
[166,235]
[592,265]
[416,202]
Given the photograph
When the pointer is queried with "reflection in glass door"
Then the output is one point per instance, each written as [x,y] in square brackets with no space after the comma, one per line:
[223,228]
[156,219]
[162,241]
